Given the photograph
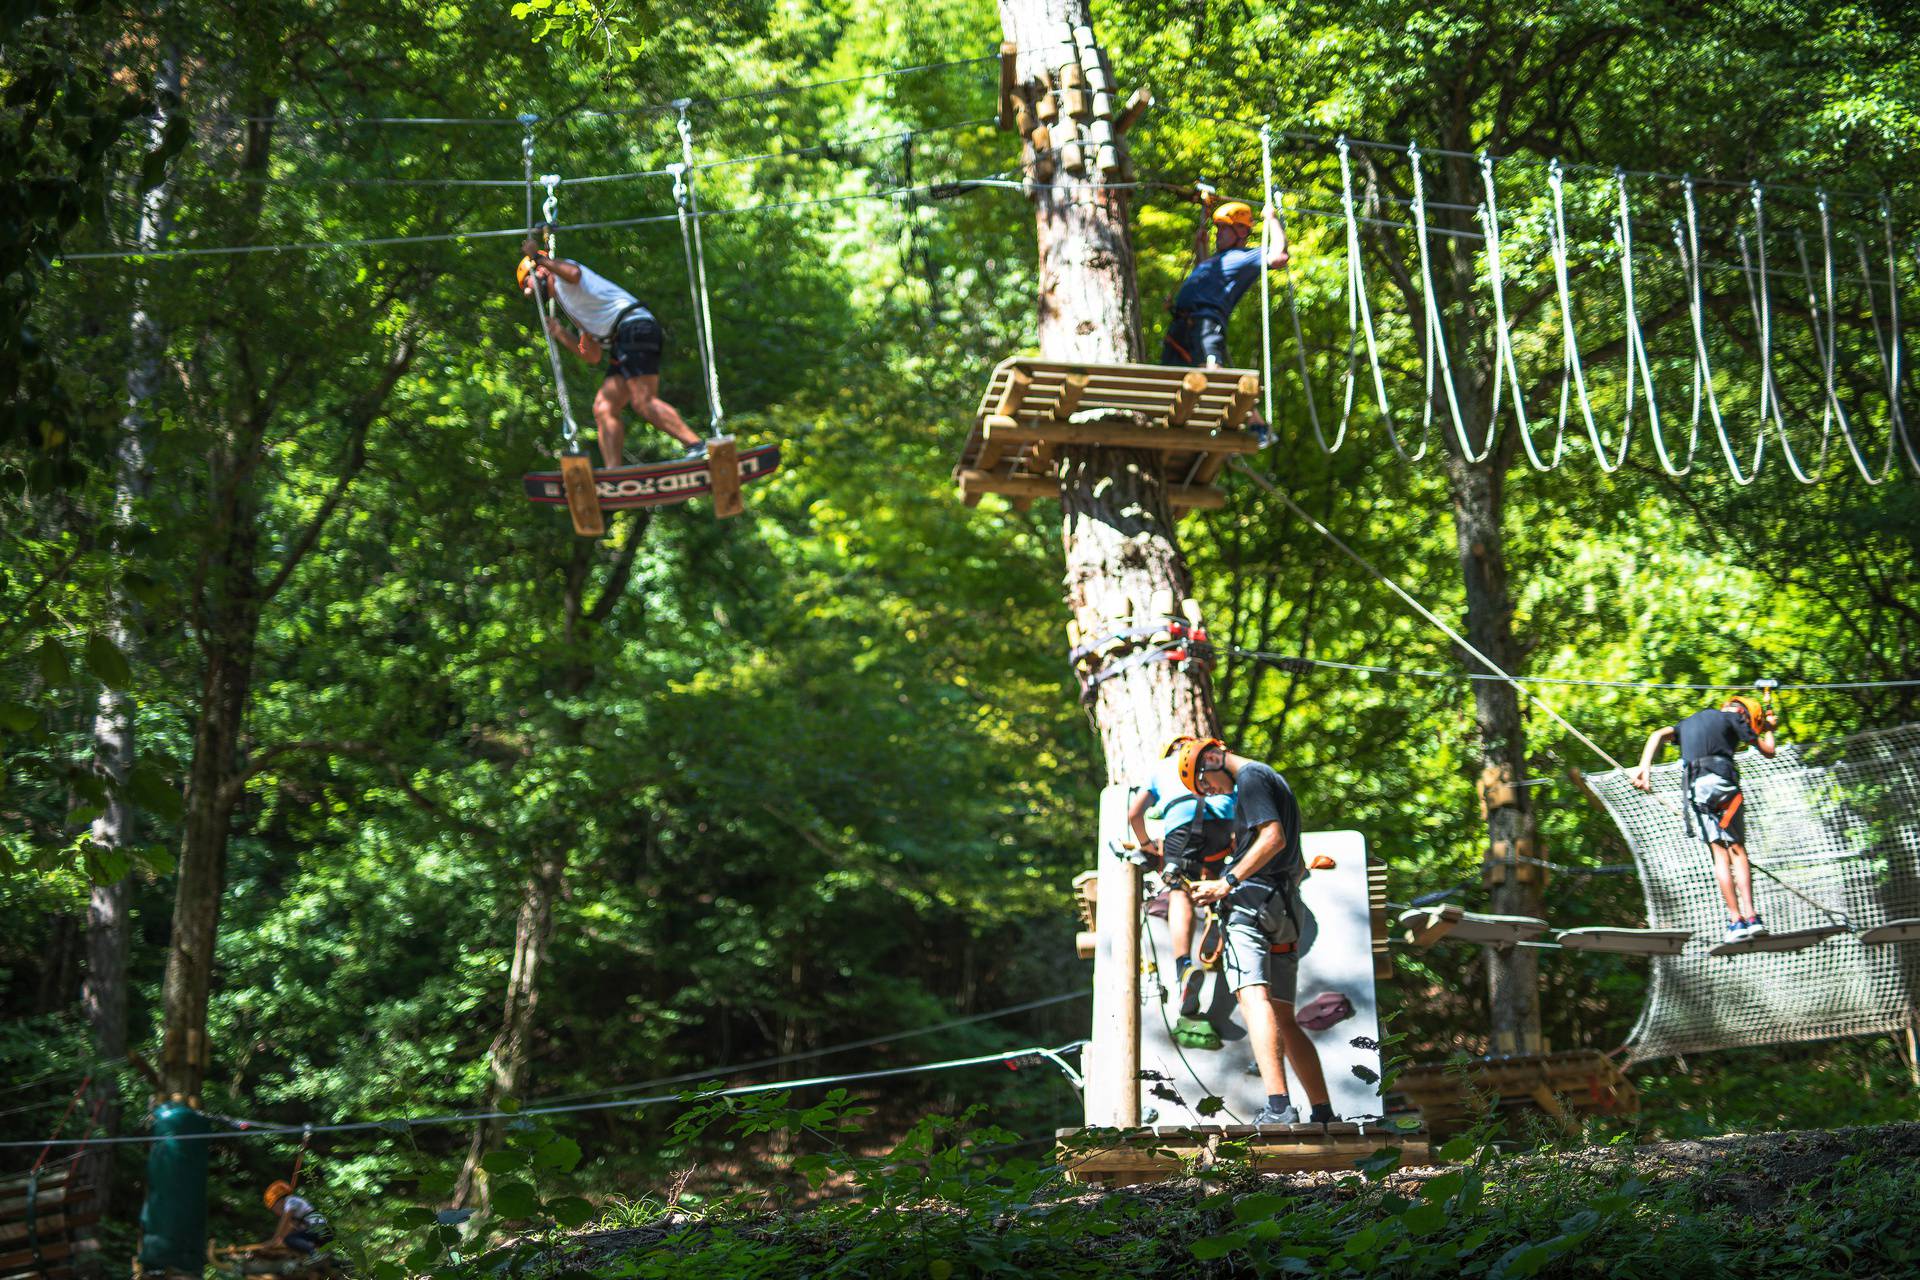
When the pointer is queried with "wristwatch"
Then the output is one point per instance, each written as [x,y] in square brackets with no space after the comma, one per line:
[1230,880]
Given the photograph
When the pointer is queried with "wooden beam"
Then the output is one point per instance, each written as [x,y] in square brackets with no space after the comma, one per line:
[1076,386]
[1019,382]
[1245,395]
[723,477]
[1136,107]
[1045,105]
[583,497]
[1111,1063]
[1009,56]
[1187,397]
[1074,102]
[1047,487]
[1114,435]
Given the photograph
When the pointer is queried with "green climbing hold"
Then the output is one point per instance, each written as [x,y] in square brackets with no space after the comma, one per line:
[1195,1033]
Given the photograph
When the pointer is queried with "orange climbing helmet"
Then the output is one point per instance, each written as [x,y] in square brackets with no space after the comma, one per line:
[1173,744]
[1188,755]
[521,272]
[276,1192]
[1750,707]
[1234,213]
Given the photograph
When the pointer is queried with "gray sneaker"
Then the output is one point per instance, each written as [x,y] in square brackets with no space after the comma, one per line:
[1285,1115]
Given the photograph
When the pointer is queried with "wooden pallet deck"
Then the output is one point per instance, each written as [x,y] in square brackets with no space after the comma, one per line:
[1162,1152]
[46,1223]
[1558,1085]
[1196,417]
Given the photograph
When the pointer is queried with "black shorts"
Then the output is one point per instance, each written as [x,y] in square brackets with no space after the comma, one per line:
[636,345]
[1197,851]
[1194,338]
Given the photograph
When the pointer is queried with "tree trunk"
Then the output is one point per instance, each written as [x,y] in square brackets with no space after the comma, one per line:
[1116,528]
[1478,491]
[103,998]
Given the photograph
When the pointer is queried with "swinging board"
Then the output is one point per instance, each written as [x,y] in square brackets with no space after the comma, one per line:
[1428,925]
[1790,940]
[1907,930]
[653,484]
[1626,942]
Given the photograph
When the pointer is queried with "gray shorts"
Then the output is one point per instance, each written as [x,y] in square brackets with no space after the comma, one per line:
[1250,959]
[1719,810]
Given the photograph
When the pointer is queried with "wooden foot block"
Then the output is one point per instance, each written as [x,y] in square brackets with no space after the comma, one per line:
[583,496]
[723,469]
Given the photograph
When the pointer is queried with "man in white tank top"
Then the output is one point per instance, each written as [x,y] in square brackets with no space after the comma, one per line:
[610,321]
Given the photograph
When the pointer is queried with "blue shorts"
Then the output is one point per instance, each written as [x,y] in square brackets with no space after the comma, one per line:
[1194,338]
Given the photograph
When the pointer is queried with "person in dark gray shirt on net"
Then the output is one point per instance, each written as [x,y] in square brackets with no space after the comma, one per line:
[1261,889]
[1712,803]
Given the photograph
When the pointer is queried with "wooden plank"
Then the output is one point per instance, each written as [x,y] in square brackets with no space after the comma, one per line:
[1789,940]
[723,466]
[51,1251]
[1187,397]
[1136,107]
[1903,930]
[1046,487]
[1009,58]
[53,1175]
[1019,382]
[1629,942]
[583,498]
[48,1224]
[1115,435]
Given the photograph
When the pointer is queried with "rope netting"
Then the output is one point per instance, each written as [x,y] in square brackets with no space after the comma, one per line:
[1839,823]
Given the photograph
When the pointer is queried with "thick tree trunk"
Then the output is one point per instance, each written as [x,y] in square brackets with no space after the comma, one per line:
[1116,528]
[103,998]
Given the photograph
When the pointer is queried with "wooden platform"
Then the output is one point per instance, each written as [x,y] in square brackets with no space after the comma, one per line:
[1904,930]
[1557,1085]
[1427,925]
[1159,1153]
[1626,942]
[46,1223]
[1790,940]
[1196,417]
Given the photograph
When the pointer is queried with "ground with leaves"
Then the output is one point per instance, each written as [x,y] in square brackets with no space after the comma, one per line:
[1801,1204]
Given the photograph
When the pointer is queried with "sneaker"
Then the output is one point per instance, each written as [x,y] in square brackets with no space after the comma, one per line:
[1262,434]
[1285,1115]
[1736,931]
[698,449]
[1190,991]
[1755,929]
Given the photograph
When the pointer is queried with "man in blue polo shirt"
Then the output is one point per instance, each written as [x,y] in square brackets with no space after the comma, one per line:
[1197,337]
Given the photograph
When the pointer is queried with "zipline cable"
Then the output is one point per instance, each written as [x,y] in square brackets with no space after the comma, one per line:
[1512,682]
[401,1123]
[1290,661]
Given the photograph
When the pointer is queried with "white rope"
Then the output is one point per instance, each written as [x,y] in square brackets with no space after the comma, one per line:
[1503,357]
[1760,302]
[1827,347]
[1686,239]
[1573,373]
[1636,341]
[688,201]
[1360,317]
[1266,302]
[1435,336]
[543,306]
[1890,351]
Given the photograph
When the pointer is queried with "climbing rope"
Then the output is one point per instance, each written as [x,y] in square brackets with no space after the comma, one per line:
[1686,239]
[1503,357]
[1827,348]
[687,200]
[1573,373]
[1359,306]
[543,307]
[1760,301]
[1434,339]
[1266,302]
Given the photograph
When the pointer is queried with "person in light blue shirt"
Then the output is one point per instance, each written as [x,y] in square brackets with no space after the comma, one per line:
[1196,836]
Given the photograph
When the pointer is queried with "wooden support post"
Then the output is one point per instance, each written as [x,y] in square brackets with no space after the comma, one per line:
[1136,107]
[1112,1064]
[1187,397]
[1076,386]
[723,472]
[1246,394]
[1009,58]
[583,497]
